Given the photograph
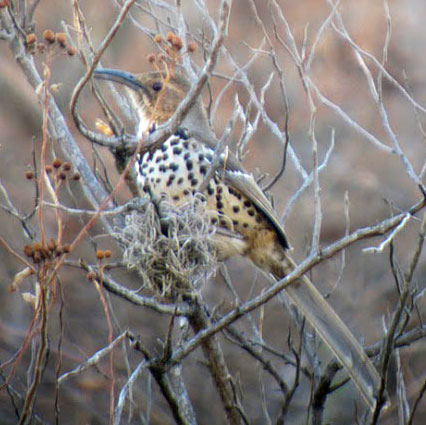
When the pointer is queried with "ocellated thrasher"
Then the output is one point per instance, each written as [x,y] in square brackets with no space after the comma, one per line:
[246,222]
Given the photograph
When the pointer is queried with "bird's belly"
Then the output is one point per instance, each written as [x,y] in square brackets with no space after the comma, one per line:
[179,167]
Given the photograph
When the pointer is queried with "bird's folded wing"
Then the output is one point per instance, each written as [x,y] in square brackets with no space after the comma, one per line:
[245,184]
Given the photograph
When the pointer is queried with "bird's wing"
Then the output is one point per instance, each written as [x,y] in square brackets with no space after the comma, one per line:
[232,171]
[244,183]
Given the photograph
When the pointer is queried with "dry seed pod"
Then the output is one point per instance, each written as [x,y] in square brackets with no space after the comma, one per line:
[61,38]
[192,47]
[49,36]
[28,250]
[30,39]
[56,163]
[100,254]
[29,175]
[51,244]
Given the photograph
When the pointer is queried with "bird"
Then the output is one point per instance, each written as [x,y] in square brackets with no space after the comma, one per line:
[246,222]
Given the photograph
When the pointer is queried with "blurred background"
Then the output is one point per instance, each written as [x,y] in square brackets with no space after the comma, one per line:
[374,181]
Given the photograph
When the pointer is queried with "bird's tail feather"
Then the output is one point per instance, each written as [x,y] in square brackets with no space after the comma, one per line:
[333,332]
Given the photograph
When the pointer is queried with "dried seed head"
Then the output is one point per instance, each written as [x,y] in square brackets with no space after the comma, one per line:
[151,58]
[61,38]
[76,177]
[177,43]
[28,250]
[30,39]
[29,175]
[66,248]
[4,3]
[56,163]
[108,253]
[158,38]
[71,51]
[49,36]
[62,176]
[66,166]
[169,37]
[100,254]
[192,47]
[48,169]
[37,246]
[51,244]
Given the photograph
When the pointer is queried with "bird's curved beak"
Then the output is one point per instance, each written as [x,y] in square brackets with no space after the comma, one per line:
[118,76]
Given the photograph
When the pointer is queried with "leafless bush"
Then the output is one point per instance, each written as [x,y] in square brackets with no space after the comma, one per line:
[324,96]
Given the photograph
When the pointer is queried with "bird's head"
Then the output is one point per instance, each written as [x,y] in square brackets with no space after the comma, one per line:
[155,96]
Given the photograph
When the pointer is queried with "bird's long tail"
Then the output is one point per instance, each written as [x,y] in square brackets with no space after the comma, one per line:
[326,323]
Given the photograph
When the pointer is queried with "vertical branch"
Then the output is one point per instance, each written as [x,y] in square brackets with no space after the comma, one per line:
[199,321]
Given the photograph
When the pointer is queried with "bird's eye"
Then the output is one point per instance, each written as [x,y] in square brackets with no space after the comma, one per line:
[157,86]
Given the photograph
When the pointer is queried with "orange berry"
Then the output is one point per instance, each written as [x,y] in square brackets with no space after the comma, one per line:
[177,43]
[30,39]
[49,36]
[51,244]
[37,246]
[28,250]
[61,38]
[56,163]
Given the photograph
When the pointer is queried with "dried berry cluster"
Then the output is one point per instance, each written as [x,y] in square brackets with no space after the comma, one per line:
[172,45]
[60,170]
[102,254]
[40,252]
[50,39]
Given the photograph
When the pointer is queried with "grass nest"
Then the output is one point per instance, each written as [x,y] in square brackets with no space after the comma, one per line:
[170,247]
